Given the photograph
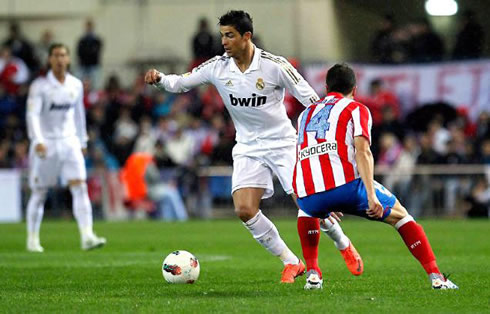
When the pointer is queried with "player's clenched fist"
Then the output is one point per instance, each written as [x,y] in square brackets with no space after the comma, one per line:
[152,76]
[40,150]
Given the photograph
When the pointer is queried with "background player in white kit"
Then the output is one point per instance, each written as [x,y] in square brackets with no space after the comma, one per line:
[56,127]
[251,83]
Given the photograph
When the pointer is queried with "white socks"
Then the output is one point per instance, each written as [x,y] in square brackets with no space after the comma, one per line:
[331,228]
[34,214]
[264,231]
[82,210]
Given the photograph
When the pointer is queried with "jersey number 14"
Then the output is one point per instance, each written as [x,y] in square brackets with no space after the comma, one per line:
[318,123]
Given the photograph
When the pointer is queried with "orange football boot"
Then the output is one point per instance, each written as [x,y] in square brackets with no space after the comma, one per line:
[353,260]
[292,271]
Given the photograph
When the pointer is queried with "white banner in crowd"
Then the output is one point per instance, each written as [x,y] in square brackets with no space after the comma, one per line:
[10,185]
[461,84]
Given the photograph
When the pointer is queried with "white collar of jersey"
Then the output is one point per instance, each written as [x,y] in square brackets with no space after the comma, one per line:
[50,76]
[253,66]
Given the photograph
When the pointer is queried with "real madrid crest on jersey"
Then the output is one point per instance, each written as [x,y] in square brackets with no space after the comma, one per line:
[260,83]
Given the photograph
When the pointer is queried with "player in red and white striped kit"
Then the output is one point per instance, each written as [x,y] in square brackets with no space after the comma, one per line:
[334,171]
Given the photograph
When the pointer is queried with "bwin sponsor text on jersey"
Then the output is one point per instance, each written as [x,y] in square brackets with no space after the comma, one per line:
[60,106]
[253,101]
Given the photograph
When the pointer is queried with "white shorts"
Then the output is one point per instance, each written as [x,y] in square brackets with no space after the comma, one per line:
[63,159]
[254,166]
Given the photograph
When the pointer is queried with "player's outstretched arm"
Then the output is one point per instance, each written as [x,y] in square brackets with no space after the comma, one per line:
[365,164]
[182,83]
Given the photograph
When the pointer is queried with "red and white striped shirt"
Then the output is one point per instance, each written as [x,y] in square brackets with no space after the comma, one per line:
[326,153]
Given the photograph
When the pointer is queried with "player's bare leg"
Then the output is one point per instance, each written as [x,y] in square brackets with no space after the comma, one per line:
[34,216]
[247,201]
[82,210]
[417,243]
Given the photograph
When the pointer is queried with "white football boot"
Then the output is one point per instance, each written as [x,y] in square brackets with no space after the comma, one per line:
[313,280]
[33,244]
[440,282]
[93,242]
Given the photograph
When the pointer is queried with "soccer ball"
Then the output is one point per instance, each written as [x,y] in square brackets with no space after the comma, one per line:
[180,267]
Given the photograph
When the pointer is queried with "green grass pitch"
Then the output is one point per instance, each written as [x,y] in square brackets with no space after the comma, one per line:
[237,275]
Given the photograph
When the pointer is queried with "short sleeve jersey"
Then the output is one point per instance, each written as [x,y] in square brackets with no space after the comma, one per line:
[326,152]
[254,98]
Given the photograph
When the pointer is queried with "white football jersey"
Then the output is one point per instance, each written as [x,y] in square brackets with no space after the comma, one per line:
[253,98]
[55,110]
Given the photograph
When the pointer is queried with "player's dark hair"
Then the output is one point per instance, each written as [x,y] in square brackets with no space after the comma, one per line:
[54,46]
[341,79]
[240,20]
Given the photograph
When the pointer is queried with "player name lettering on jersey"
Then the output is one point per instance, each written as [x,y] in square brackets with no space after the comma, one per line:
[253,101]
[320,149]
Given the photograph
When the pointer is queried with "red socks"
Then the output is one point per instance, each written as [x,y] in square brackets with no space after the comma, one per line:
[309,235]
[414,237]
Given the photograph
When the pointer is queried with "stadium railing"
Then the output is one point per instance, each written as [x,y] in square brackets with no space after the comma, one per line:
[425,190]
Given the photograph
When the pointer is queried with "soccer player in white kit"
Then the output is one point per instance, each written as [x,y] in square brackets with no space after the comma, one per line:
[56,127]
[251,83]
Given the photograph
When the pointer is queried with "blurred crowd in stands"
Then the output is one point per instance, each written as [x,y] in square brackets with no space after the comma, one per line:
[418,42]
[184,132]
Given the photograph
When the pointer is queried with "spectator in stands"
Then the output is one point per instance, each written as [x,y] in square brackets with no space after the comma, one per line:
[169,203]
[439,135]
[203,44]
[41,50]
[13,71]
[482,127]
[470,39]
[382,44]
[145,142]
[163,102]
[8,104]
[425,45]
[379,98]
[400,177]
[478,201]
[125,131]
[89,49]
[401,38]
[222,151]
[4,153]
[485,152]
[426,188]
[21,47]
[20,158]
[389,150]
[145,189]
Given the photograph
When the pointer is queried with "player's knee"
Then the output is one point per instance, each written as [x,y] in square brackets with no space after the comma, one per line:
[39,194]
[245,212]
[398,213]
[78,189]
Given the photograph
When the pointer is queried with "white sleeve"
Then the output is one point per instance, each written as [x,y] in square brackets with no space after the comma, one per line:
[80,120]
[33,112]
[290,79]
[182,83]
